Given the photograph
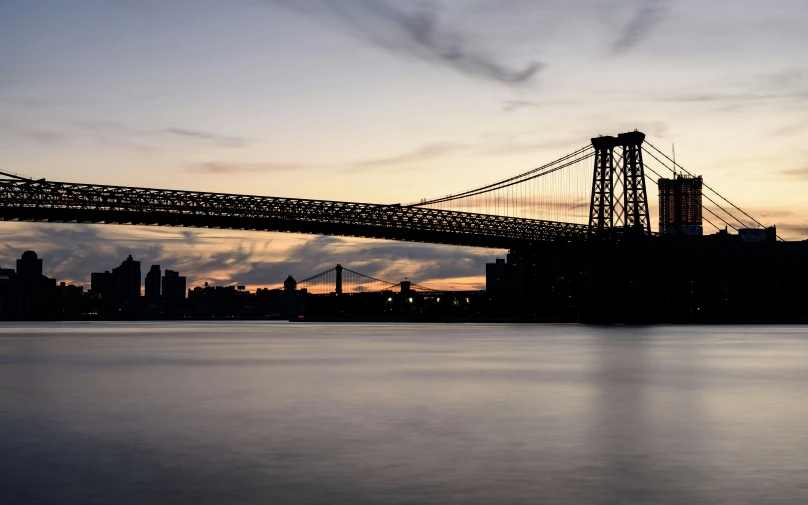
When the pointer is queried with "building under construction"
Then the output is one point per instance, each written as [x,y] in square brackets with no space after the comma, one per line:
[680,206]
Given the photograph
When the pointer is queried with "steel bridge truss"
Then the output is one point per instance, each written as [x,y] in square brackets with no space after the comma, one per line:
[619,197]
[61,202]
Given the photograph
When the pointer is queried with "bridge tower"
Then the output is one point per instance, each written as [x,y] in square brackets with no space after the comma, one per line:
[619,198]
[601,208]
[338,270]
[635,198]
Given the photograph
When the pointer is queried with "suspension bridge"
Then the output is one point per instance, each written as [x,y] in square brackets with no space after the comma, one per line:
[341,280]
[589,194]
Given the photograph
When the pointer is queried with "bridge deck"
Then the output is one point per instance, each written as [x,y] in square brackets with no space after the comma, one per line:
[62,202]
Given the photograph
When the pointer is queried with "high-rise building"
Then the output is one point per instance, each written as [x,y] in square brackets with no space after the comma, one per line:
[123,283]
[173,287]
[153,283]
[29,267]
[680,206]
[124,280]
[127,279]
[497,278]
[101,284]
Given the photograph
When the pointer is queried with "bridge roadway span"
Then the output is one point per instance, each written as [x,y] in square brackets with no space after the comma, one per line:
[62,202]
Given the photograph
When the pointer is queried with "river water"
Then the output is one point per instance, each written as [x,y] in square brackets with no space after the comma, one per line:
[291,413]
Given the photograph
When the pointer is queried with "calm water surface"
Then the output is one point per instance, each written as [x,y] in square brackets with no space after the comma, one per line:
[279,413]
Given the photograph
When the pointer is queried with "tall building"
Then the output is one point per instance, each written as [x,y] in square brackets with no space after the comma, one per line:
[497,278]
[126,279]
[680,206]
[122,284]
[153,283]
[29,267]
[101,284]
[173,287]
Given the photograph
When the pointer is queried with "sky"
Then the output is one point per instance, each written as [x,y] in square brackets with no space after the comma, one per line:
[382,101]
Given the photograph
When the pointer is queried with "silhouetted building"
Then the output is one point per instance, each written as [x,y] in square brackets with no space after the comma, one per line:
[758,235]
[290,284]
[680,206]
[101,284]
[497,277]
[26,293]
[122,284]
[126,279]
[173,287]
[29,267]
[153,284]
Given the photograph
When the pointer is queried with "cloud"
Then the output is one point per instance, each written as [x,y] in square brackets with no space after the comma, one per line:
[391,261]
[28,102]
[424,153]
[515,105]
[793,231]
[801,173]
[788,78]
[224,141]
[72,251]
[645,19]
[416,33]
[734,97]
[415,156]
[38,135]
[217,168]
[120,134]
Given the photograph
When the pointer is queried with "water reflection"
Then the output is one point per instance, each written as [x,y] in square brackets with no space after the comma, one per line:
[284,413]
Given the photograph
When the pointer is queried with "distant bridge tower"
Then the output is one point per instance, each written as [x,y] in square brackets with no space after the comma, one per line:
[619,198]
[338,270]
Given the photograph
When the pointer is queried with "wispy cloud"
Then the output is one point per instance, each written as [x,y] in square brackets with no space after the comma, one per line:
[401,161]
[37,135]
[216,168]
[120,134]
[735,97]
[801,173]
[223,140]
[515,105]
[797,231]
[788,77]
[645,19]
[424,153]
[416,32]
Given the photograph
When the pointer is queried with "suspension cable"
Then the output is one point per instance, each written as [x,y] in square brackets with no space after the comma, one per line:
[704,208]
[675,164]
[478,191]
[315,276]
[708,199]
[498,185]
[369,277]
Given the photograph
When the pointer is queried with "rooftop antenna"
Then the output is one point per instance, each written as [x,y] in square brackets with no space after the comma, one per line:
[673,149]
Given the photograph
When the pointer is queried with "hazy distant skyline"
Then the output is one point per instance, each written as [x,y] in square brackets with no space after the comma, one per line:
[383,101]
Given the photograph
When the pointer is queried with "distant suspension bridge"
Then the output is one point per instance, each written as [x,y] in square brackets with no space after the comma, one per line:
[341,280]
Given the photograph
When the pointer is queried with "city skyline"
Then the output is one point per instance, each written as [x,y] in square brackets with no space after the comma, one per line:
[376,102]
[147,268]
